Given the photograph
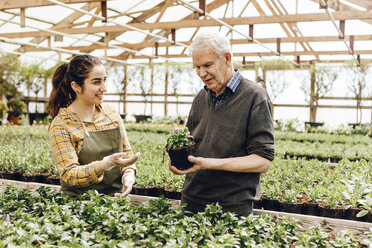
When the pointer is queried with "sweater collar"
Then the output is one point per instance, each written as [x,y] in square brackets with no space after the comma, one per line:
[231,85]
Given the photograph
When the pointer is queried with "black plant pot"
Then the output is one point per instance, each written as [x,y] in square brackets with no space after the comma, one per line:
[143,118]
[270,204]
[314,124]
[145,191]
[354,125]
[31,178]
[179,156]
[53,180]
[43,178]
[290,207]
[351,214]
[36,117]
[332,212]
[7,175]
[17,176]
[257,204]
[172,194]
[310,208]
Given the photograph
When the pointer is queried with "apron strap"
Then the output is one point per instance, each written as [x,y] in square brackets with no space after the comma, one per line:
[104,112]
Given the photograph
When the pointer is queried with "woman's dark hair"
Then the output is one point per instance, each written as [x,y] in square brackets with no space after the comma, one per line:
[77,70]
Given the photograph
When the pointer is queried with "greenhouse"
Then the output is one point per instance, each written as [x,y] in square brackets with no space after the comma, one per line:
[186,123]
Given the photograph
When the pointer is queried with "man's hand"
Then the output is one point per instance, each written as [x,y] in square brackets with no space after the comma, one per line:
[198,165]
[128,180]
[118,159]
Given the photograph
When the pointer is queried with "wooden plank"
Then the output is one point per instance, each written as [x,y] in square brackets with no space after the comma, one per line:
[14,4]
[22,15]
[191,23]
[26,185]
[333,226]
[233,42]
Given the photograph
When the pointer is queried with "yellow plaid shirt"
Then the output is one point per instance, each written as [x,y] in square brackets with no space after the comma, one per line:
[67,134]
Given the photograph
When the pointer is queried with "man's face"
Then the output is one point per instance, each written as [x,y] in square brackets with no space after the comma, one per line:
[212,69]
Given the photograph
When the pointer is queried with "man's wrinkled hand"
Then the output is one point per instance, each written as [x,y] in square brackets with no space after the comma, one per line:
[197,161]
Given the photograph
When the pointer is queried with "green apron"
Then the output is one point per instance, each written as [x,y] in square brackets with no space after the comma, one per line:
[95,147]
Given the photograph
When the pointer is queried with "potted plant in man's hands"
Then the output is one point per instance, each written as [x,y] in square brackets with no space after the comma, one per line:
[180,145]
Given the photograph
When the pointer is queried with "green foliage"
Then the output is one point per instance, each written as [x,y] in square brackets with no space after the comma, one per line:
[323,77]
[16,106]
[291,125]
[50,219]
[9,83]
[28,150]
[3,110]
[179,138]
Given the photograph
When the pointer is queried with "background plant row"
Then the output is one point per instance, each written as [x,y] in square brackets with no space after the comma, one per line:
[289,180]
[48,219]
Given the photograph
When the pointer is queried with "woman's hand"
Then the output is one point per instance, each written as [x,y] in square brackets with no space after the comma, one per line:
[127,180]
[119,160]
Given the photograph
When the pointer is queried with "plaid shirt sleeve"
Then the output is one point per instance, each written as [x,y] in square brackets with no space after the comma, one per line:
[65,156]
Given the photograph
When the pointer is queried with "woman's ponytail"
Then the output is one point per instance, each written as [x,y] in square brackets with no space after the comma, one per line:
[61,95]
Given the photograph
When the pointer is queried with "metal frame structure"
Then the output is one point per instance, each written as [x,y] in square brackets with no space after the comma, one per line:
[165,28]
[202,14]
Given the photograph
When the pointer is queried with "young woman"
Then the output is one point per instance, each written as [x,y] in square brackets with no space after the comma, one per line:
[89,142]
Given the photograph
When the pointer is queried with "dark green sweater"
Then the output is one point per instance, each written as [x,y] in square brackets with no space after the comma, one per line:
[241,125]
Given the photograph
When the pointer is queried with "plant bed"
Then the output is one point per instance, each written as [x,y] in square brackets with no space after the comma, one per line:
[179,146]
[95,220]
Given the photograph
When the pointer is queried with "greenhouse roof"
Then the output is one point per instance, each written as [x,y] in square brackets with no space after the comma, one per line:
[139,31]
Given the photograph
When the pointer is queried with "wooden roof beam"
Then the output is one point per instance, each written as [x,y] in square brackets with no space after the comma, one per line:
[143,45]
[194,16]
[339,6]
[16,4]
[271,54]
[191,23]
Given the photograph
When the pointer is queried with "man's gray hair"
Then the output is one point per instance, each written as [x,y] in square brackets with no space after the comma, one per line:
[217,41]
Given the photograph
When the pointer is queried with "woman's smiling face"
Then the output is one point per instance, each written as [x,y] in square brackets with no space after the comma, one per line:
[94,86]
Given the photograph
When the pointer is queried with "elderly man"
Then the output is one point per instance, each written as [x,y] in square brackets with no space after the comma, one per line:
[232,125]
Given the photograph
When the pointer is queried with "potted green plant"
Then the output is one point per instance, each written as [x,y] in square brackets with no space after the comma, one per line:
[16,109]
[3,111]
[180,145]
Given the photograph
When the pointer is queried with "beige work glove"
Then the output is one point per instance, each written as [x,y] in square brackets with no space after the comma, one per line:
[128,180]
[118,160]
